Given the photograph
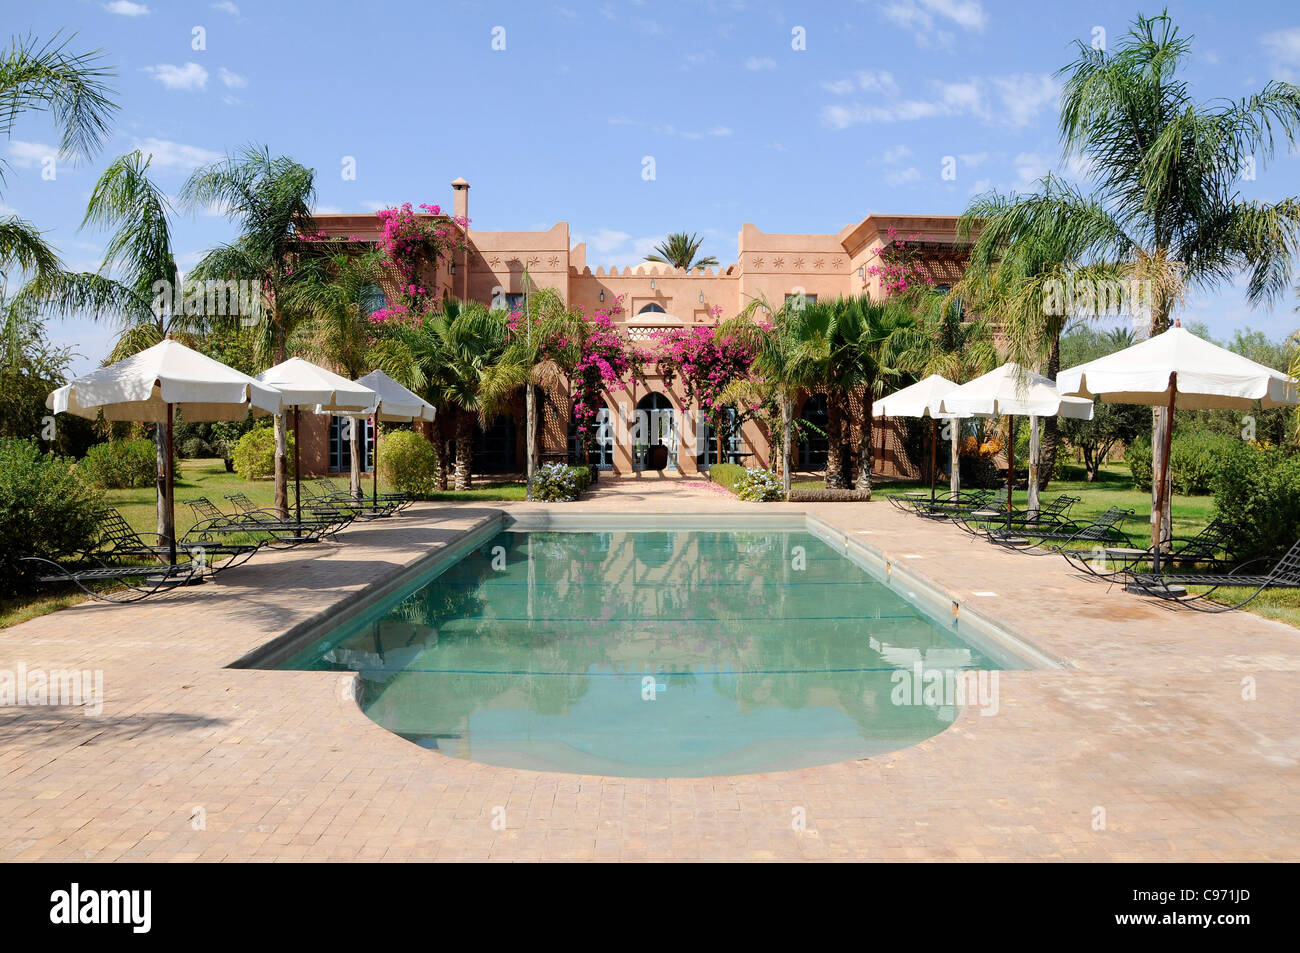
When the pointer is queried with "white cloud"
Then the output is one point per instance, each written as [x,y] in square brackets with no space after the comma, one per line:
[720,131]
[611,246]
[124,8]
[225,6]
[175,155]
[904,176]
[1024,95]
[7,209]
[25,155]
[1030,167]
[191,76]
[232,80]
[760,63]
[973,159]
[896,154]
[1283,48]
[1014,100]
[926,19]
[326,210]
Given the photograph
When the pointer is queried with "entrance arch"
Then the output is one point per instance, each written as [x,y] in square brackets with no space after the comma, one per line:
[656,426]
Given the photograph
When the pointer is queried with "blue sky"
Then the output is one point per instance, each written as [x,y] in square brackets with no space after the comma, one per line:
[742,125]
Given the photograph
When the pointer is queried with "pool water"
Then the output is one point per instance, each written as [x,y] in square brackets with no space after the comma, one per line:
[649,654]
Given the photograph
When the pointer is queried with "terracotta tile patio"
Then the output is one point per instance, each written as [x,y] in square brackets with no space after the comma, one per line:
[1149,726]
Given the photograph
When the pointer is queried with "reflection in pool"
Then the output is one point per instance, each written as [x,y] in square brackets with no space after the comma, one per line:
[649,654]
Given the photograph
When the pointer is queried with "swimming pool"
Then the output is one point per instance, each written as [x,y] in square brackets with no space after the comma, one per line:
[654,653]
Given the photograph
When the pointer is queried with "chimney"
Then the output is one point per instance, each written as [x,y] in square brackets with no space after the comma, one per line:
[460,198]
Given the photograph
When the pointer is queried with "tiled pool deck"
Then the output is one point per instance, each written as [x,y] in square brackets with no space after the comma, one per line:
[1149,726]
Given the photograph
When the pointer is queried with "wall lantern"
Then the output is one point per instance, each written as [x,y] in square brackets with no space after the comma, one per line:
[701,297]
[652,284]
[602,295]
[453,266]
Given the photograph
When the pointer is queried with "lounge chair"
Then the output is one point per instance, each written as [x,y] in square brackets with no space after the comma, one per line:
[1211,547]
[399,500]
[137,582]
[1284,574]
[1104,529]
[323,522]
[118,541]
[322,503]
[962,504]
[263,525]
[1052,515]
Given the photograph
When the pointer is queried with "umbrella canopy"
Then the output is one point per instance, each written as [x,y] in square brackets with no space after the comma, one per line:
[915,401]
[395,402]
[1176,369]
[150,387]
[1014,391]
[1208,376]
[303,384]
[142,386]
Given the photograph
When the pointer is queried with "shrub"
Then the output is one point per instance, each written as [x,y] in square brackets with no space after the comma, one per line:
[120,464]
[1260,490]
[255,454]
[558,483]
[583,473]
[726,474]
[408,462]
[45,510]
[759,486]
[1194,461]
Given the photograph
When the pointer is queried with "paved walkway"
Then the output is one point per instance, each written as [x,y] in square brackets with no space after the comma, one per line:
[1146,749]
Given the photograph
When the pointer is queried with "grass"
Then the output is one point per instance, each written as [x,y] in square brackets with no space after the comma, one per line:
[207,478]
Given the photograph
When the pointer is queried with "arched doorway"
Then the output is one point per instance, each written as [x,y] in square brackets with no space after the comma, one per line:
[652,308]
[655,427]
[706,449]
[812,449]
[602,453]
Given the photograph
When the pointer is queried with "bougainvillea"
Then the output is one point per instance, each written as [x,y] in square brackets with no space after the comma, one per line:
[707,361]
[605,361]
[408,239]
[898,265]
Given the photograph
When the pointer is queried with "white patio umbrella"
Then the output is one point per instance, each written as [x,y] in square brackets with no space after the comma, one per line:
[395,403]
[1012,391]
[1178,369]
[914,401]
[302,383]
[151,386]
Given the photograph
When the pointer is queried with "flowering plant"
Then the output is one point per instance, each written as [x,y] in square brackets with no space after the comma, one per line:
[407,238]
[604,361]
[898,265]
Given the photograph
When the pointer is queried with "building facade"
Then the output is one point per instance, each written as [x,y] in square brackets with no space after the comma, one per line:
[650,425]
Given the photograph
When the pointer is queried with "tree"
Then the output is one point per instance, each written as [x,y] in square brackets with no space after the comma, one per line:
[1111,424]
[1164,210]
[271,198]
[679,250]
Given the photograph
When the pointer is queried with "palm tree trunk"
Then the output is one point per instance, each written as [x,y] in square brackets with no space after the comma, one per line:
[281,442]
[1051,426]
[439,439]
[864,443]
[464,450]
[786,413]
[530,424]
[357,443]
[1159,421]
[834,443]
[160,446]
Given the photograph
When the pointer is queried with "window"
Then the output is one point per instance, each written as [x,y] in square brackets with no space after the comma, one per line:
[341,448]
[372,299]
[652,307]
[807,298]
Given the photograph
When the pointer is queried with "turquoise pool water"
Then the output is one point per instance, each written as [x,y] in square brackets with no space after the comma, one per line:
[649,654]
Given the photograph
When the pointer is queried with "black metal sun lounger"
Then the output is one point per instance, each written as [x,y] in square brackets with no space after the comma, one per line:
[1212,547]
[1104,529]
[1284,574]
[1051,516]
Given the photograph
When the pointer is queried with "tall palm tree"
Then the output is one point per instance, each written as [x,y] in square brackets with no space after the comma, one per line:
[1165,207]
[136,283]
[46,77]
[679,250]
[271,198]
[335,329]
[451,358]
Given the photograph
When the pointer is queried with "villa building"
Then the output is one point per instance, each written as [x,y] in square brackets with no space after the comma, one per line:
[769,268]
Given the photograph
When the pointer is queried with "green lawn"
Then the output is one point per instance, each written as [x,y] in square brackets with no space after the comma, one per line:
[207,478]
[1114,487]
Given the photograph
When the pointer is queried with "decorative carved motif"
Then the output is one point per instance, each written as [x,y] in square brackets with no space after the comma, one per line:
[837,263]
[758,262]
[819,263]
[778,262]
[798,264]
[554,261]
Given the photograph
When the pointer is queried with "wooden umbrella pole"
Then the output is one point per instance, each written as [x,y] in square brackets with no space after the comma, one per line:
[297,475]
[374,465]
[1162,492]
[1011,463]
[170,495]
[934,445]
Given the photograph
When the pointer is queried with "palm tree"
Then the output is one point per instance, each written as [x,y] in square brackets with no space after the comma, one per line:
[451,359]
[137,281]
[46,77]
[1165,208]
[335,329]
[271,197]
[679,250]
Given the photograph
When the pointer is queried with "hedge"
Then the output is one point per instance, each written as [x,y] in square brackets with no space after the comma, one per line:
[1194,461]
[726,474]
[1259,490]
